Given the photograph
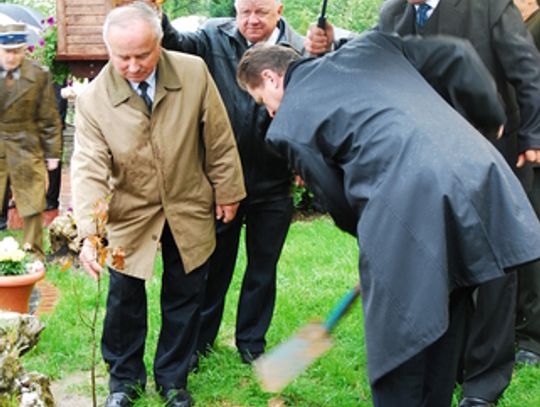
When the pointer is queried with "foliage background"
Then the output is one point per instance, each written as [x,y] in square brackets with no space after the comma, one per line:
[356,15]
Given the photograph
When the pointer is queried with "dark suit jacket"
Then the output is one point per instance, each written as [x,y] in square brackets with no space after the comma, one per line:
[496,30]
[392,160]
[533,25]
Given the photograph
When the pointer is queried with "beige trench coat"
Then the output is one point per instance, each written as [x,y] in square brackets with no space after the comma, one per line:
[172,165]
[29,132]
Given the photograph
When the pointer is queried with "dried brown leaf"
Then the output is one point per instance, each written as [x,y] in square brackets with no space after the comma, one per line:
[66,265]
[118,258]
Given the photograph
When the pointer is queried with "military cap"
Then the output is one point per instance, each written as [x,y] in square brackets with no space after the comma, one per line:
[13,35]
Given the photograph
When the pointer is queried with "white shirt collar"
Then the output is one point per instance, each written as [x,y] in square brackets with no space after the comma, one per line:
[151,81]
[432,3]
[16,73]
[273,39]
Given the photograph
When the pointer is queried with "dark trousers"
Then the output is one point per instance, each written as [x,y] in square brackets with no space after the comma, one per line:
[267,224]
[125,324]
[53,192]
[55,176]
[489,353]
[428,378]
[5,207]
[528,306]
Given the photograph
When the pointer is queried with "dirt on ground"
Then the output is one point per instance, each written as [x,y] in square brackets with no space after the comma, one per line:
[74,390]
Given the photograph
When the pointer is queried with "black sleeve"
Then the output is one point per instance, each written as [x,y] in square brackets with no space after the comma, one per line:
[521,64]
[189,42]
[323,179]
[456,72]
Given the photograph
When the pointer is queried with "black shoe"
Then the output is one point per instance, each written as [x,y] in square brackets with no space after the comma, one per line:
[526,357]
[51,207]
[177,398]
[249,357]
[475,402]
[119,399]
[3,223]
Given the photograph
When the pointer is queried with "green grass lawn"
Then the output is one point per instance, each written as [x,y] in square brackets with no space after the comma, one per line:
[318,265]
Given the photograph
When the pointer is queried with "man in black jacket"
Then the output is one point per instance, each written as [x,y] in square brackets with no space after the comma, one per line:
[528,305]
[267,210]
[395,165]
[495,30]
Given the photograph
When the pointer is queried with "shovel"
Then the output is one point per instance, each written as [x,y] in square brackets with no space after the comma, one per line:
[277,368]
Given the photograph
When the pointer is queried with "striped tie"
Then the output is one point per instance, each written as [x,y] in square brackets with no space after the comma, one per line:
[143,87]
[422,14]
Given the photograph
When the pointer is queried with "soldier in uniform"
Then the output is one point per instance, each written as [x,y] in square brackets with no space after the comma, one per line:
[29,131]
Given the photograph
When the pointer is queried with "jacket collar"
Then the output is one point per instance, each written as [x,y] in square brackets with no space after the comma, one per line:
[452,12]
[229,28]
[28,76]
[27,73]
[120,91]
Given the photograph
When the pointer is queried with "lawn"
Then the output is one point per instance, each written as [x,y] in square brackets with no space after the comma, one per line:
[318,265]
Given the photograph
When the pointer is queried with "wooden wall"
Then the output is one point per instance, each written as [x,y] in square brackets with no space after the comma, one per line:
[80,40]
[80,25]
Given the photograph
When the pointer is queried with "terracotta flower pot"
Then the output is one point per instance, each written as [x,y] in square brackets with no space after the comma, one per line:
[15,291]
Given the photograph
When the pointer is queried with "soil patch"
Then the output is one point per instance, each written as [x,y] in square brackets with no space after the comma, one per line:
[74,390]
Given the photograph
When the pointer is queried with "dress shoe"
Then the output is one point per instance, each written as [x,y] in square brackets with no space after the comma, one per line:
[526,357]
[475,402]
[51,207]
[118,399]
[177,398]
[249,357]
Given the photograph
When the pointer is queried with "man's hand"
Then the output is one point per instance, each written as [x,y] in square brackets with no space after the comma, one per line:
[528,156]
[319,41]
[88,258]
[52,163]
[226,212]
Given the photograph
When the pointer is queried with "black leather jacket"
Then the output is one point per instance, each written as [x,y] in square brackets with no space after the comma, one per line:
[220,44]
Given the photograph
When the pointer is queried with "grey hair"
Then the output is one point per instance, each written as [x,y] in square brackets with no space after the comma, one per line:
[276,2]
[124,16]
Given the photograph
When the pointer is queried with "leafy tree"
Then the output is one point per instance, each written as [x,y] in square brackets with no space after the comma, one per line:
[221,8]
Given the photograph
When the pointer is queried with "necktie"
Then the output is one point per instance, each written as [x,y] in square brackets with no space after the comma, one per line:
[143,87]
[10,81]
[421,14]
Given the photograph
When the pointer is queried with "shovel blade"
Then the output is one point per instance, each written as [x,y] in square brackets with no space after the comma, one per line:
[277,368]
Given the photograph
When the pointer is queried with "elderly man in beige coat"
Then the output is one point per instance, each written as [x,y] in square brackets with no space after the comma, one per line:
[152,133]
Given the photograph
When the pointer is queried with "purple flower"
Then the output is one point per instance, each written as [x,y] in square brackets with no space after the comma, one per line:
[31,48]
[41,42]
[50,21]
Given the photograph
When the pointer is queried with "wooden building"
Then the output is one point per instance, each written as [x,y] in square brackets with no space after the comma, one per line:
[80,41]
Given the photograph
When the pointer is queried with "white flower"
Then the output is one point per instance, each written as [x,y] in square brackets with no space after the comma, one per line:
[9,250]
[35,267]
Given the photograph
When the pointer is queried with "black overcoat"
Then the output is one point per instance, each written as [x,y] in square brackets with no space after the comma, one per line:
[434,205]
